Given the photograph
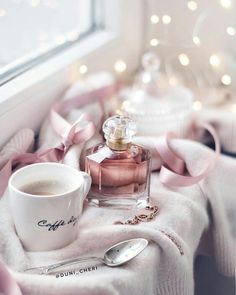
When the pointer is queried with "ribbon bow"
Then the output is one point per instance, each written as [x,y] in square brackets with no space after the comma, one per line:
[56,154]
[77,133]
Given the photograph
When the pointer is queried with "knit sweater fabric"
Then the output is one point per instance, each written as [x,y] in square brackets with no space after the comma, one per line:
[193,221]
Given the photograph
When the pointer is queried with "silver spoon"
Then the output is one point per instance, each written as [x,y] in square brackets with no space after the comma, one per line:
[116,255]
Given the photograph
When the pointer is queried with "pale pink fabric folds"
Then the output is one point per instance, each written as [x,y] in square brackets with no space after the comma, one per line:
[8,285]
[184,224]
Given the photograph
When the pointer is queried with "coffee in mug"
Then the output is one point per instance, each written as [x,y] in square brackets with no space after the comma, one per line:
[46,201]
[46,187]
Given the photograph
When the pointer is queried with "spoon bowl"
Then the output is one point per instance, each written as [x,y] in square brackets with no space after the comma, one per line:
[116,255]
[124,251]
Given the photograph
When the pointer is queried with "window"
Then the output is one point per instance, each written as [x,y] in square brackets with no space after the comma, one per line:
[33,30]
[36,79]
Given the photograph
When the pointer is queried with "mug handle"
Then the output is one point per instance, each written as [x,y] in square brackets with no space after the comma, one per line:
[87,183]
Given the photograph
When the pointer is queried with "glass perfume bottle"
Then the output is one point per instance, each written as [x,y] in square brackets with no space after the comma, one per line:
[120,170]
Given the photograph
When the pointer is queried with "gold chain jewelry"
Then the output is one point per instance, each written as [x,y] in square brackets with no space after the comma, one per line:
[144,217]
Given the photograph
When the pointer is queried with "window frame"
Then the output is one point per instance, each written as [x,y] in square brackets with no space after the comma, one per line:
[29,61]
[42,84]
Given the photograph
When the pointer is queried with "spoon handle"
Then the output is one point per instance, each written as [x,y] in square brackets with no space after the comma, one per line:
[52,267]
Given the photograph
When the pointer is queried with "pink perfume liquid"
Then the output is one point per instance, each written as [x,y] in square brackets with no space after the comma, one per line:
[124,175]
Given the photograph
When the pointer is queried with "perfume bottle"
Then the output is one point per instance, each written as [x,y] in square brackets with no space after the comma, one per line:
[120,170]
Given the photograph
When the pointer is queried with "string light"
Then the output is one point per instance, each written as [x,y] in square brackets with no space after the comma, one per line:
[166,19]
[184,59]
[118,112]
[154,19]
[196,40]
[226,80]
[154,42]
[214,60]
[197,105]
[233,108]
[34,3]
[230,31]
[83,69]
[146,78]
[226,3]
[60,39]
[192,5]
[2,12]
[120,66]
[173,81]
[72,36]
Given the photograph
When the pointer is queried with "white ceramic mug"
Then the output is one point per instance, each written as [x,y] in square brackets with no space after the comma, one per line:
[47,220]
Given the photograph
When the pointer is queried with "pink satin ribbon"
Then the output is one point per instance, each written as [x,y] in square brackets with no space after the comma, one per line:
[96,95]
[8,285]
[60,109]
[71,134]
[56,154]
[172,170]
[171,173]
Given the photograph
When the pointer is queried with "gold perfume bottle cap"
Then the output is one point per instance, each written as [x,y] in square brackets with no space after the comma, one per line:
[118,132]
